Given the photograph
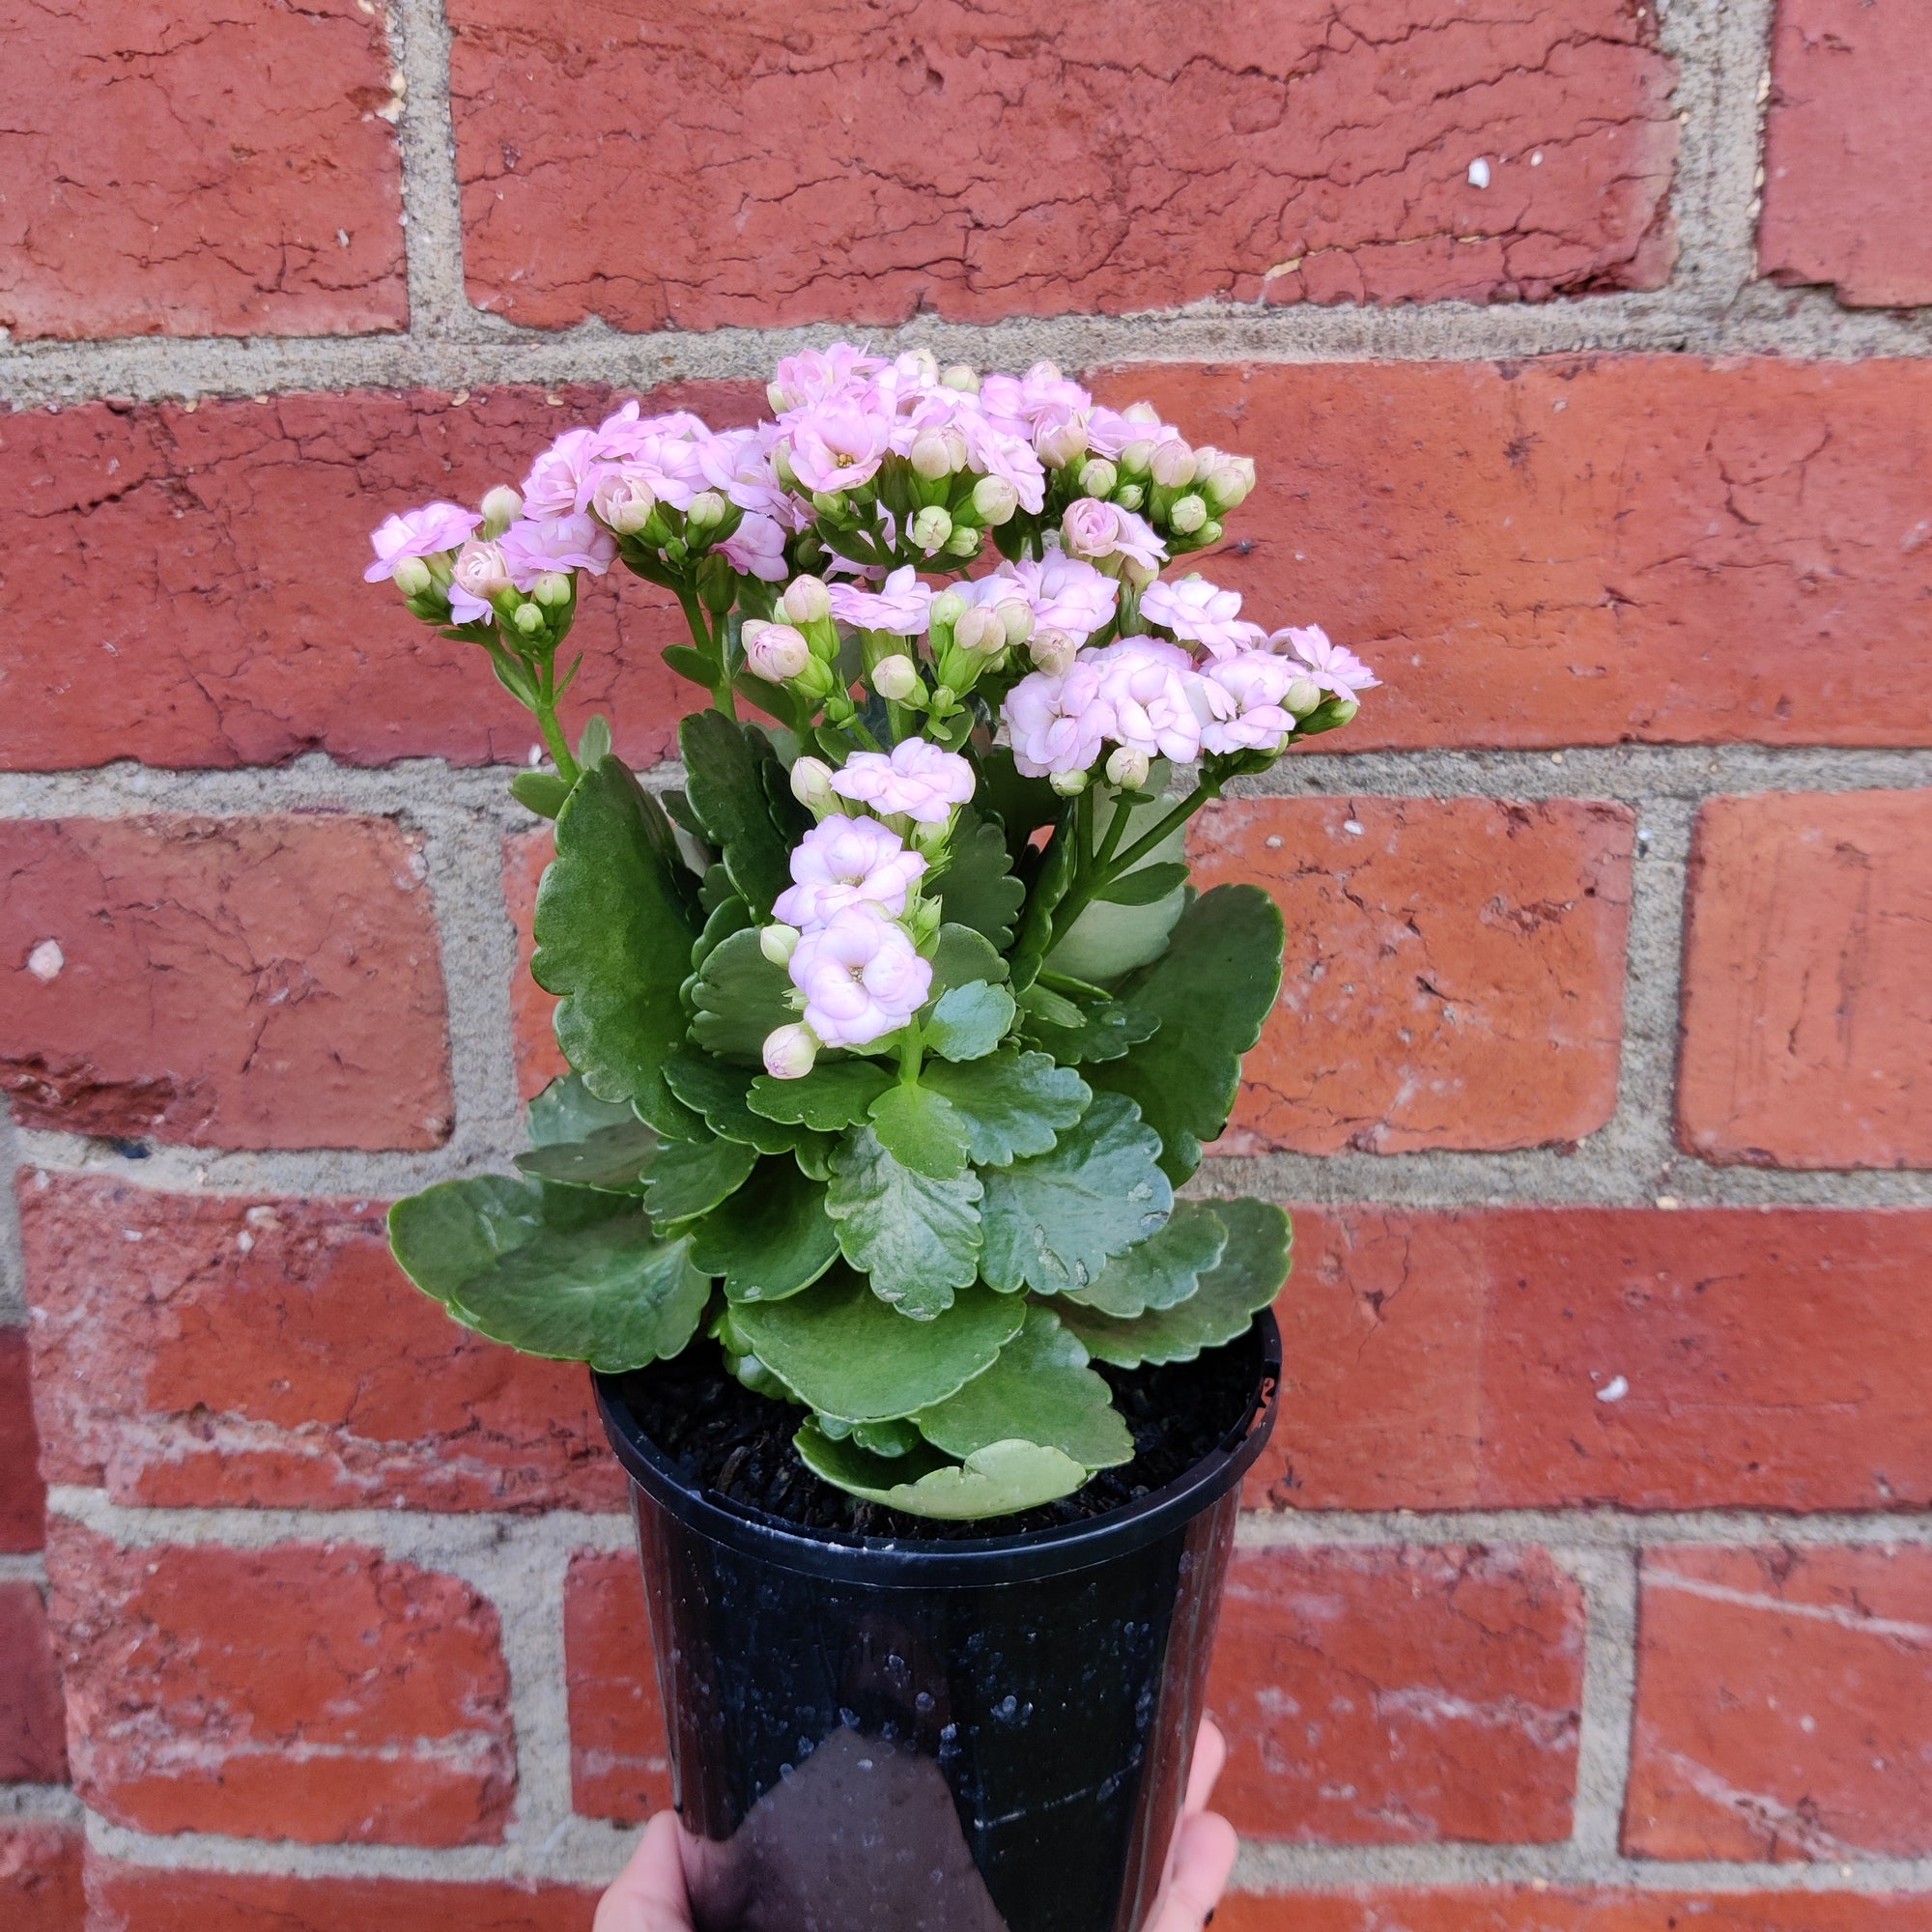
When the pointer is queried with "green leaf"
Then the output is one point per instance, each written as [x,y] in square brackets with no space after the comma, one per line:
[836,1095]
[1003,1479]
[918,1239]
[723,779]
[1164,1268]
[567,1110]
[613,1159]
[969,1021]
[1098,1029]
[595,743]
[1042,1390]
[514,1261]
[1145,885]
[1054,1222]
[1049,888]
[1210,990]
[919,1129]
[1107,940]
[1010,1104]
[690,663]
[1252,1268]
[728,916]
[691,1177]
[846,1353]
[960,958]
[1023,805]
[721,1093]
[544,792]
[772,1238]
[740,997]
[614,941]
[977,887]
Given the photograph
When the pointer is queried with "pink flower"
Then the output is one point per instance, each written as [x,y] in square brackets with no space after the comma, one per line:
[667,466]
[562,479]
[918,780]
[1327,665]
[848,862]
[479,573]
[1110,431]
[1092,528]
[1036,404]
[860,975]
[1195,610]
[1067,593]
[1145,682]
[1244,694]
[839,446]
[819,374]
[1056,724]
[531,547]
[994,451]
[426,532]
[899,606]
[757,548]
[737,462]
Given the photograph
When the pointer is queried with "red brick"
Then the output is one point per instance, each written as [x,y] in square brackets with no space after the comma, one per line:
[268,1353]
[1454,975]
[23,1501]
[1783,1705]
[619,1753]
[539,1058]
[246,982]
[313,1691]
[32,1749]
[1584,551]
[196,580]
[1847,149]
[147,1898]
[867,165]
[39,1877]
[1399,1697]
[1807,981]
[1457,1360]
[234,177]
[1546,1909]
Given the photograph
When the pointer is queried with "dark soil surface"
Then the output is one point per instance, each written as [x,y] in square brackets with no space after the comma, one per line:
[737,1445]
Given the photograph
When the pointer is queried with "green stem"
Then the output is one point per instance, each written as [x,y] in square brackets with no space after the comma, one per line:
[910,1054]
[567,768]
[1105,872]
[1116,827]
[722,697]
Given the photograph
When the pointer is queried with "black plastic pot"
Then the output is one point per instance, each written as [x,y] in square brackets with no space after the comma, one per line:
[968,1736]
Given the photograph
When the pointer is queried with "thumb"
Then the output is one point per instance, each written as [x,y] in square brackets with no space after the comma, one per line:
[650,1894]
[1204,1860]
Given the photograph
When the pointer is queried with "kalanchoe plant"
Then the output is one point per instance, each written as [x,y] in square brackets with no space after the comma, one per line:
[896,1030]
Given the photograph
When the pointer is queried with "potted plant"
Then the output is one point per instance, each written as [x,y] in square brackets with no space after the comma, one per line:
[893,1034]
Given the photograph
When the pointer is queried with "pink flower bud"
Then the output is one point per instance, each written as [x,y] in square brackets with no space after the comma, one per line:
[812,784]
[1053,652]
[790,1052]
[551,590]
[946,610]
[931,527]
[777,942]
[411,576]
[1189,515]
[930,456]
[1230,483]
[1016,618]
[1128,768]
[895,677]
[1068,785]
[1301,696]
[775,653]
[1137,457]
[1062,444]
[981,631]
[959,377]
[707,510]
[806,601]
[995,500]
[501,508]
[1141,412]
[623,503]
[1098,477]
[1172,465]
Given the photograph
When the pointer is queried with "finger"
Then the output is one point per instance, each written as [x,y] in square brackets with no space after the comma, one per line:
[1210,1755]
[650,1894]
[1204,1860]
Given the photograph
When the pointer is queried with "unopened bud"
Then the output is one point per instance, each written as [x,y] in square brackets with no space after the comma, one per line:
[1061,444]
[1017,619]
[623,503]
[930,456]
[1068,785]
[551,590]
[1172,465]
[1128,768]
[828,502]
[776,652]
[895,677]
[530,620]
[1346,709]
[778,942]
[812,784]
[707,510]
[1134,571]
[994,499]
[806,601]
[965,541]
[946,610]
[411,576]
[1136,458]
[1209,532]
[1229,482]
[1053,652]
[1141,412]
[1098,477]
[1301,698]
[958,377]
[1187,515]
[931,527]
[1130,495]
[981,632]
[790,1051]
[501,507]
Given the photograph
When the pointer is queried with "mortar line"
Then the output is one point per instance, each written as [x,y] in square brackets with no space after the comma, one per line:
[38,1804]
[27,1567]
[1608,1581]
[432,199]
[13,1262]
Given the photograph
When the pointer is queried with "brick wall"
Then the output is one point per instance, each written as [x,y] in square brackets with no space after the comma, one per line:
[1587,1586]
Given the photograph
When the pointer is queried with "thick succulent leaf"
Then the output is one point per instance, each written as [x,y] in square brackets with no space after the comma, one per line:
[1164,1268]
[614,941]
[1023,805]
[1075,1028]
[968,1022]
[921,1131]
[1055,1221]
[960,958]
[1041,1389]
[691,1177]
[728,916]
[771,1238]
[1210,990]
[1044,898]
[614,1158]
[918,1239]
[1144,885]
[544,792]
[1250,1273]
[1010,1104]
[722,1093]
[567,1110]
[525,1264]
[1002,1478]
[740,997]
[977,887]
[1112,938]
[846,1353]
[836,1095]
[722,762]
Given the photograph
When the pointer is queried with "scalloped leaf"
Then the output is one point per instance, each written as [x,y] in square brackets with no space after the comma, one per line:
[740,997]
[917,1238]
[836,1095]
[567,1110]
[691,1177]
[1164,1268]
[772,1238]
[1009,1104]
[615,1159]
[1076,1028]
[977,887]
[969,1022]
[1003,1479]
[922,1130]
[722,1093]
[724,781]
[959,957]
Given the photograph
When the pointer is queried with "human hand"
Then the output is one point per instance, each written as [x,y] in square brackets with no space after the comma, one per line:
[650,1894]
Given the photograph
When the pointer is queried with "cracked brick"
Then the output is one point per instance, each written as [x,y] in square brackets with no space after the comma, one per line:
[1454,975]
[620,1751]
[1470,1358]
[976,160]
[1783,1705]
[319,1692]
[23,1501]
[1399,1695]
[1807,981]
[261,1352]
[39,1877]
[244,982]
[229,172]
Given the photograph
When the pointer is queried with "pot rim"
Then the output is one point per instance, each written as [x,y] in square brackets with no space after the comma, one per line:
[886,1562]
